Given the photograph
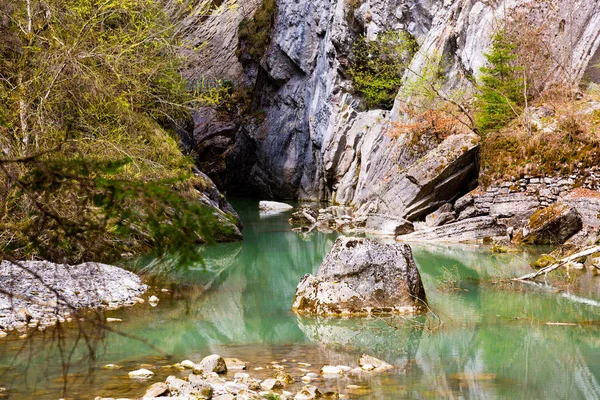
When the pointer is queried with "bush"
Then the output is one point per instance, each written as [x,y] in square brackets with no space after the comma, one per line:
[254,35]
[378,66]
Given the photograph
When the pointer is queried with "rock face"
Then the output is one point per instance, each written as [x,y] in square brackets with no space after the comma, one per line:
[230,225]
[314,141]
[48,292]
[362,276]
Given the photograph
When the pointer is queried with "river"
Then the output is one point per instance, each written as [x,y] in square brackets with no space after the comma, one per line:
[485,337]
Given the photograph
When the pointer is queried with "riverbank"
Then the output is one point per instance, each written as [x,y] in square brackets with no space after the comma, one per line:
[38,294]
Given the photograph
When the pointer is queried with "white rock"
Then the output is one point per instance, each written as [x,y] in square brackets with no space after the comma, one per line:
[241,377]
[187,364]
[212,363]
[153,301]
[331,370]
[141,374]
[273,206]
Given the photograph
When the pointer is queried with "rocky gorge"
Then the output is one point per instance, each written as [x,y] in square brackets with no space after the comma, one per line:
[315,141]
[293,126]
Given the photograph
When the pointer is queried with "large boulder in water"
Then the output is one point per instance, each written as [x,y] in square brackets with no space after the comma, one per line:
[362,276]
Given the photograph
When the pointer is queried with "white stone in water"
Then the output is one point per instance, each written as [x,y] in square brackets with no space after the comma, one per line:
[369,363]
[270,384]
[309,377]
[153,301]
[331,370]
[273,206]
[344,368]
[3,334]
[112,366]
[187,364]
[141,374]
[114,320]
[368,367]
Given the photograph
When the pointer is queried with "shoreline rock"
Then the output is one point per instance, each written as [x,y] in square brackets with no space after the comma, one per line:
[46,293]
[362,276]
[242,385]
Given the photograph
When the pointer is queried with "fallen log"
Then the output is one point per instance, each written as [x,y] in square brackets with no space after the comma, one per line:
[558,264]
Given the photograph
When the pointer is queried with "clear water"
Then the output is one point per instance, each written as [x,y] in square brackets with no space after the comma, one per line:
[490,339]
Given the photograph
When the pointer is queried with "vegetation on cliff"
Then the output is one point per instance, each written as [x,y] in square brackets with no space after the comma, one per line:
[88,170]
[255,33]
[378,66]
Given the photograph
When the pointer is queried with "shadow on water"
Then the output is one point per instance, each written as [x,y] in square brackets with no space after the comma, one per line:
[494,341]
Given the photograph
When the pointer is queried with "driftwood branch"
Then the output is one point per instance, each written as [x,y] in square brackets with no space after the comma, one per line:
[560,263]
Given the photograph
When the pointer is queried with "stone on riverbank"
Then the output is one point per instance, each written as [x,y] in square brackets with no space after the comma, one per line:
[551,225]
[212,363]
[48,292]
[362,276]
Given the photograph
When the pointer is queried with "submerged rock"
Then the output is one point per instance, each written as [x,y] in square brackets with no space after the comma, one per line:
[362,276]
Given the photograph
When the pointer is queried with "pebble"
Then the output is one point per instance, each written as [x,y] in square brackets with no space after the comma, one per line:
[187,364]
[114,320]
[332,370]
[141,374]
[3,334]
[112,366]
[270,384]
[153,301]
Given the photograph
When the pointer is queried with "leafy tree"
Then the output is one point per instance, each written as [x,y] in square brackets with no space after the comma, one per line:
[501,89]
[379,65]
[88,170]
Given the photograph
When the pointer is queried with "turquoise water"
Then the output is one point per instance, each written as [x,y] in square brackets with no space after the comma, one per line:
[485,337]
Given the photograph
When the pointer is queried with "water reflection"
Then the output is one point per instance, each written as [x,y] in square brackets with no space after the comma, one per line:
[494,341]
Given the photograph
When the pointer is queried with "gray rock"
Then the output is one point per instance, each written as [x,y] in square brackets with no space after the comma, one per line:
[366,360]
[387,225]
[441,216]
[213,363]
[46,292]
[362,276]
[551,225]
[308,392]
[273,206]
[304,216]
[468,230]
[156,390]
[197,390]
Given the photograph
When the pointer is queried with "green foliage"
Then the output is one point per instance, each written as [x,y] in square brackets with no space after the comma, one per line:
[378,66]
[86,85]
[73,210]
[501,88]
[254,34]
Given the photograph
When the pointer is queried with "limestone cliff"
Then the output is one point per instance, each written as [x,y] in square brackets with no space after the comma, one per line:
[314,141]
